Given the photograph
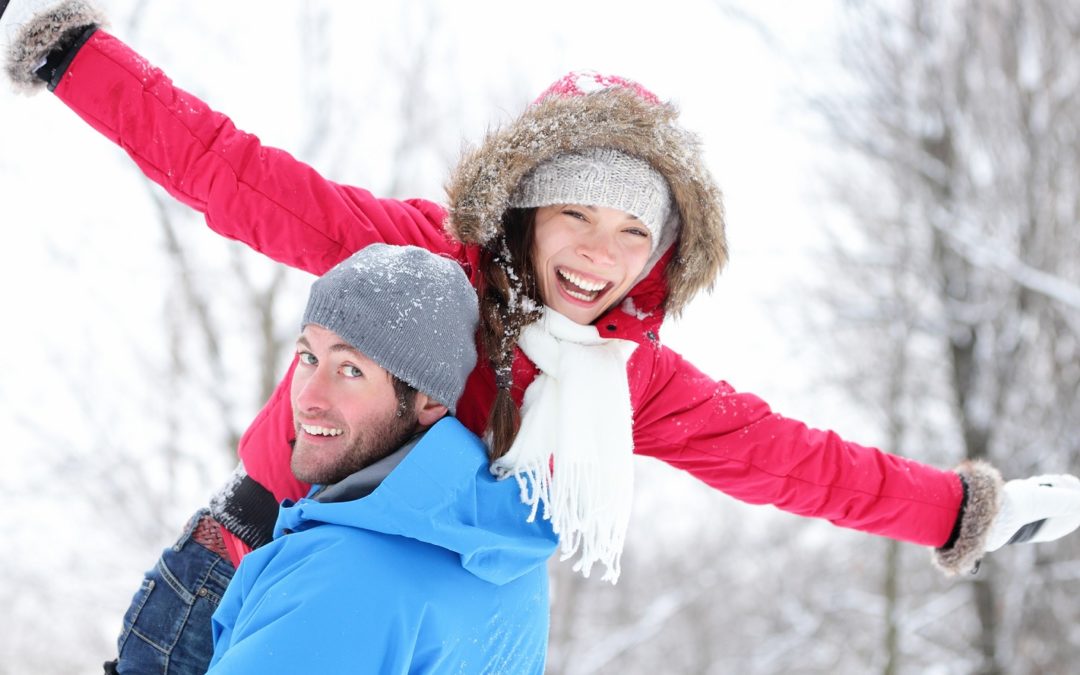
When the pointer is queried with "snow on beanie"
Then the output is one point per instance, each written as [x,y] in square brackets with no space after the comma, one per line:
[600,177]
[582,82]
[412,312]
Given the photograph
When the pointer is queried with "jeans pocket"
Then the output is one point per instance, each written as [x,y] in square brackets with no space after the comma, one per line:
[167,628]
[134,609]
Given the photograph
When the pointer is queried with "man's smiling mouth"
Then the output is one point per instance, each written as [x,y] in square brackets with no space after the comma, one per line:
[320,431]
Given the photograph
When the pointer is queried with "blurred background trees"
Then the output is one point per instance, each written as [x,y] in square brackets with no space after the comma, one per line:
[958,274]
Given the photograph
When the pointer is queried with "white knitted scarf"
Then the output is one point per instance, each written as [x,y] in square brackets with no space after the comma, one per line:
[574,451]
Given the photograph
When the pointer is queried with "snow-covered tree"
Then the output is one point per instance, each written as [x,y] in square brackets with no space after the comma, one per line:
[955,275]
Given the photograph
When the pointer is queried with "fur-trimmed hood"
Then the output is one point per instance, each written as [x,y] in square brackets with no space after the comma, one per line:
[479,189]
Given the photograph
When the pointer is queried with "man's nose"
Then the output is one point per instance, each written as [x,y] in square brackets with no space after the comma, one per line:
[314,392]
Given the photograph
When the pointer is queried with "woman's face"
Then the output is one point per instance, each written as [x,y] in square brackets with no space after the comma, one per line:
[587,257]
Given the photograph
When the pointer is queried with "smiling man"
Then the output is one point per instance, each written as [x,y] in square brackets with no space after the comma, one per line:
[407,556]
[345,418]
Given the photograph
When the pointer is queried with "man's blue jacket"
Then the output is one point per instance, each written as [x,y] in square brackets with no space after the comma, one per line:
[435,571]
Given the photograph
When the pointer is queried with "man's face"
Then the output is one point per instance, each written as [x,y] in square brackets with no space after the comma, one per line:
[344,407]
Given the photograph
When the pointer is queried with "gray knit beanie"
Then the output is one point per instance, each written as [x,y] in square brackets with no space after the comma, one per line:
[410,311]
[600,177]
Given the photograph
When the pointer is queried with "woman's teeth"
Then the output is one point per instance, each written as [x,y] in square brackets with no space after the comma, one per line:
[320,431]
[579,288]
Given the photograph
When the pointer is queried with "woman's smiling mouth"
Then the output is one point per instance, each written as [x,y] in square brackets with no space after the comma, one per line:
[578,287]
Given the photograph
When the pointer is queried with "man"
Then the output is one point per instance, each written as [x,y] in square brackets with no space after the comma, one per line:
[407,556]
[167,627]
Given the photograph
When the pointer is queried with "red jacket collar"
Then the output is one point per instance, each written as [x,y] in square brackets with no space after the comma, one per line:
[639,315]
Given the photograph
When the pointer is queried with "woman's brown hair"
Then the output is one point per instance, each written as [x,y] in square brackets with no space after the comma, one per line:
[509,301]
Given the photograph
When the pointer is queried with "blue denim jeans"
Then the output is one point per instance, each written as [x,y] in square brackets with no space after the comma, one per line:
[167,627]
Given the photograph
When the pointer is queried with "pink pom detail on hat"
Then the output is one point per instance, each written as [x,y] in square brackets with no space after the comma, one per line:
[582,82]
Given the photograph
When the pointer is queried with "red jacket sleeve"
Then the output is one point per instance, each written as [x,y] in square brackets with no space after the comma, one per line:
[266,446]
[258,195]
[735,443]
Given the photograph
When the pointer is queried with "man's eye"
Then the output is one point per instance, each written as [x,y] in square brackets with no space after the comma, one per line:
[307,358]
[351,371]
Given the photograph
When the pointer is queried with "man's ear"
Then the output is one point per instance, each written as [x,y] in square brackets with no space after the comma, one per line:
[428,411]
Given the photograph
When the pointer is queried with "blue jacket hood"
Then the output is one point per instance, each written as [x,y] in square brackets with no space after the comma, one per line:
[443,494]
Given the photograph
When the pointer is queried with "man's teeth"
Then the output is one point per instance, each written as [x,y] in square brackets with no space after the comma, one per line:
[320,431]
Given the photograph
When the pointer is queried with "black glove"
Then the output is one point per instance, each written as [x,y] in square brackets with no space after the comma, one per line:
[63,54]
[51,35]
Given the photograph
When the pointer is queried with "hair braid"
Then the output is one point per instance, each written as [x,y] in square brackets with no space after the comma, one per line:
[509,301]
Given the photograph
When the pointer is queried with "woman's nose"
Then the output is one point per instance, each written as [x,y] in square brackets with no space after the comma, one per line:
[597,246]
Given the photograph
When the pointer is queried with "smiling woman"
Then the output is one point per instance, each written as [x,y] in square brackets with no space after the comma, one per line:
[604,217]
[586,258]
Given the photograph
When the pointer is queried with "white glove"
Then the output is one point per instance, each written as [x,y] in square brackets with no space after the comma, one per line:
[1041,508]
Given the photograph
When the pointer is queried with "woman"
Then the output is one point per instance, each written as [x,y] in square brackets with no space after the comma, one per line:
[582,224]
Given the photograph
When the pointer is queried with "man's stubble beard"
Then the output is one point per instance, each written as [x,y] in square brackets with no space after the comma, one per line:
[369,446]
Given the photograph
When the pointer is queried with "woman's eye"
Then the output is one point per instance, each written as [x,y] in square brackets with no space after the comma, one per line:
[637,231]
[351,371]
[575,214]
[307,358]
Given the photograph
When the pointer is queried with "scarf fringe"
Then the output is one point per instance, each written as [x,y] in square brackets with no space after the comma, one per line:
[569,509]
